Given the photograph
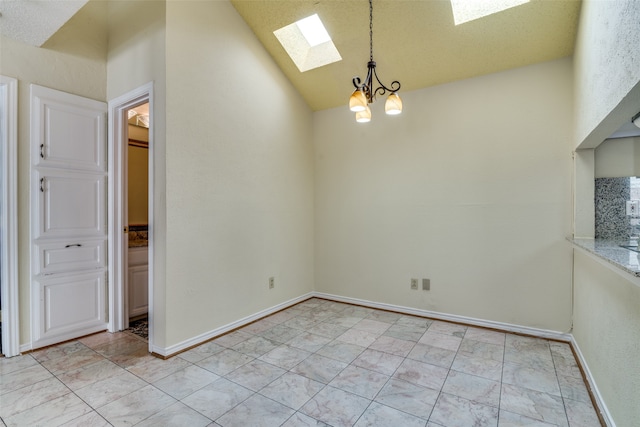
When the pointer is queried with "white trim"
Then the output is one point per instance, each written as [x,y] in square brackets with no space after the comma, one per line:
[9,216]
[118,130]
[199,339]
[506,327]
[600,405]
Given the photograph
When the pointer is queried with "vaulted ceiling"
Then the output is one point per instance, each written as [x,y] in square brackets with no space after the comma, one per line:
[414,41]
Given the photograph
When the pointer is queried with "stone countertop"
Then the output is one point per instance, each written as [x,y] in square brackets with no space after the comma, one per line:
[138,239]
[610,251]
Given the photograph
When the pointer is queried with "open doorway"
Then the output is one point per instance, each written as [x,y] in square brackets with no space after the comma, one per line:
[131,213]
[137,177]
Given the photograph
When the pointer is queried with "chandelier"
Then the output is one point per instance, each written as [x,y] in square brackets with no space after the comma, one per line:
[365,94]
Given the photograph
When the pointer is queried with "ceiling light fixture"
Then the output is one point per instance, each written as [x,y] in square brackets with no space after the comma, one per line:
[365,93]
[636,120]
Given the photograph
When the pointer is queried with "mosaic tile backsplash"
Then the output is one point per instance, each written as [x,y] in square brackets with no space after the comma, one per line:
[610,200]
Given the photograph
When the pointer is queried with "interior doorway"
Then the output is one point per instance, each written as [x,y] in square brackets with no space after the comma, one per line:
[131,219]
[137,199]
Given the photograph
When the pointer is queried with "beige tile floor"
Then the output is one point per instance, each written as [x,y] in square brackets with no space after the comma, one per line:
[315,364]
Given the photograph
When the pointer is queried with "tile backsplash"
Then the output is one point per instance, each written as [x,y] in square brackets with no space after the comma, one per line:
[611,219]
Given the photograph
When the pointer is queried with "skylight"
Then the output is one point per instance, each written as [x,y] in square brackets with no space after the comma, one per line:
[313,30]
[469,10]
[308,43]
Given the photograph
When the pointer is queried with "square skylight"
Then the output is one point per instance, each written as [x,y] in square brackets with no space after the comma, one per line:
[308,43]
[469,10]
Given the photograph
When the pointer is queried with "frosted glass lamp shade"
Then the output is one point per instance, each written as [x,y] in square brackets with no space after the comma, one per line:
[363,116]
[393,105]
[358,101]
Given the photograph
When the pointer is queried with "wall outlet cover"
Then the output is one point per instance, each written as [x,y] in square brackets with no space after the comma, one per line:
[414,284]
[633,207]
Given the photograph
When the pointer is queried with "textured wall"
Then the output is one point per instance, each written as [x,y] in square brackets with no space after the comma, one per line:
[607,329]
[462,188]
[607,69]
[239,165]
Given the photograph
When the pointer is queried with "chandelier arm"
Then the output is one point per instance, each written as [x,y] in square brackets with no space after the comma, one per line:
[395,86]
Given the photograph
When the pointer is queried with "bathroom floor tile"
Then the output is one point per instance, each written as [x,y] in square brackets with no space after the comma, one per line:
[318,363]
[255,374]
[423,374]
[473,388]
[30,396]
[409,398]
[53,412]
[285,356]
[453,411]
[292,390]
[106,391]
[217,398]
[360,381]
[136,406]
[257,411]
[380,415]
[182,383]
[336,407]
[177,414]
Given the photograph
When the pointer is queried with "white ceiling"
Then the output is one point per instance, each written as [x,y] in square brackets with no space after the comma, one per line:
[34,21]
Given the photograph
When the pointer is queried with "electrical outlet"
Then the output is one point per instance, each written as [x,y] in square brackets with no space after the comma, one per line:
[426,284]
[633,207]
[414,284]
[272,282]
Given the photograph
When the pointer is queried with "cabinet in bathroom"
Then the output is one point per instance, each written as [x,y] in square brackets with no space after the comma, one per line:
[138,282]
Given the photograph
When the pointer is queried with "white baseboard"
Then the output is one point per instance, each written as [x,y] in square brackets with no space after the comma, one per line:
[506,327]
[199,339]
[600,405]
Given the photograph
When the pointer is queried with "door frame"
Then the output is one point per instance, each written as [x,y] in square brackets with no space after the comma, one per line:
[117,177]
[9,216]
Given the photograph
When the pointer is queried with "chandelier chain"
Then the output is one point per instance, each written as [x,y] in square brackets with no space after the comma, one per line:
[371,30]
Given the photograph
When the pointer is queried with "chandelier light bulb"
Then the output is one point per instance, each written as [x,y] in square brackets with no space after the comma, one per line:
[393,106]
[363,116]
[358,101]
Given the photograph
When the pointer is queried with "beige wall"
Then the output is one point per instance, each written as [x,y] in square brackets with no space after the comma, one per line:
[74,61]
[470,187]
[136,57]
[618,157]
[138,185]
[607,94]
[607,69]
[607,329]
[239,170]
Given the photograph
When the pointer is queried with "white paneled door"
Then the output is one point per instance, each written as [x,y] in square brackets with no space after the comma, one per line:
[68,216]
